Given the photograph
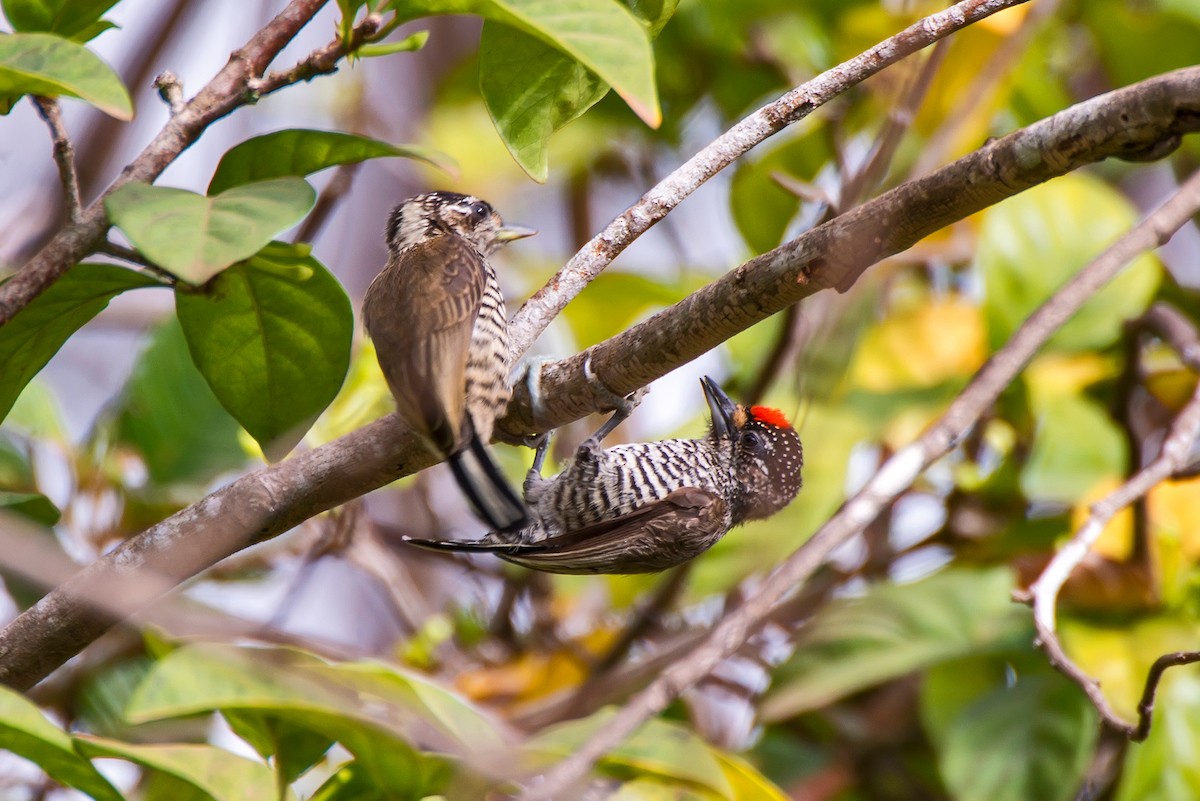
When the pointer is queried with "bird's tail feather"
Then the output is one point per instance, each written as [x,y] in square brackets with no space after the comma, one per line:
[485,486]
[473,546]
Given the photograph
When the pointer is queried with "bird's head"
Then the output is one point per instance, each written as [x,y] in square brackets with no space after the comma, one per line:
[435,213]
[767,455]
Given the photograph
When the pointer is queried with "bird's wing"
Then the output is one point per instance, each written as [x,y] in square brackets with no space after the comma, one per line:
[420,312]
[654,537]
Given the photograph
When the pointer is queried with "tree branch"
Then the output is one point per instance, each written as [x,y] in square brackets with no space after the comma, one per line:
[272,500]
[533,317]
[64,155]
[1148,117]
[227,91]
[893,478]
[1043,593]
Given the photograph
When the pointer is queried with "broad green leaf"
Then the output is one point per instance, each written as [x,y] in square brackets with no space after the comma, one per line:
[169,415]
[298,152]
[894,630]
[532,89]
[292,749]
[1164,767]
[72,19]
[287,685]
[1031,244]
[37,332]
[218,774]
[408,44]
[195,237]
[1033,739]
[45,64]
[271,336]
[33,505]
[602,35]
[26,732]
[1076,446]
[658,748]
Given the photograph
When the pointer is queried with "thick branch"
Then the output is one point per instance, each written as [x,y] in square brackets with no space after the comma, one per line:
[1148,117]
[1044,592]
[271,500]
[532,318]
[224,93]
[893,478]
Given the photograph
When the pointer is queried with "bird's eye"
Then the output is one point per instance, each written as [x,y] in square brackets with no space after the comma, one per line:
[753,441]
[479,212]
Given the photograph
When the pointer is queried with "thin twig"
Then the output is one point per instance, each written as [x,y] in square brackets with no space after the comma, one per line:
[133,257]
[537,313]
[64,155]
[894,477]
[1043,593]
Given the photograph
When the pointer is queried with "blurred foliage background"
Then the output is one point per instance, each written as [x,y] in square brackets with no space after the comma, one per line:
[904,671]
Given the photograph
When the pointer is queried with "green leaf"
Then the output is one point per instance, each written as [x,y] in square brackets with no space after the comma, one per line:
[169,415]
[532,89]
[26,732]
[408,44]
[45,64]
[1164,767]
[33,505]
[1031,244]
[214,772]
[293,749]
[299,152]
[37,332]
[615,300]
[291,686]
[1076,446]
[271,336]
[67,18]
[892,631]
[1033,739]
[762,208]
[658,748]
[349,9]
[195,237]
[602,35]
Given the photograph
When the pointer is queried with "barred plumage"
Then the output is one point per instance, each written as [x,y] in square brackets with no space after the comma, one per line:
[645,507]
[437,317]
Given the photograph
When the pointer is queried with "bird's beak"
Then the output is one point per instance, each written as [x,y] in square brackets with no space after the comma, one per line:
[510,232]
[721,407]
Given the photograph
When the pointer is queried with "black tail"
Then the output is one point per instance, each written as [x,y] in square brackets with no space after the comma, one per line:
[490,494]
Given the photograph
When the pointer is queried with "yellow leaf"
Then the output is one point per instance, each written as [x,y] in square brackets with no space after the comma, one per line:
[1057,374]
[921,347]
[1116,541]
[1174,508]
[1007,22]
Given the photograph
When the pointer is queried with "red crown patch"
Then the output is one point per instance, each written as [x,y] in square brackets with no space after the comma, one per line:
[772,417]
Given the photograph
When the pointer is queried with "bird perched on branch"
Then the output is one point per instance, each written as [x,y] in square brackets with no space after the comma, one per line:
[648,506]
[437,317]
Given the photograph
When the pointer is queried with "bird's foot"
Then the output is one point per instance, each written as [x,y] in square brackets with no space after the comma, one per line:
[622,405]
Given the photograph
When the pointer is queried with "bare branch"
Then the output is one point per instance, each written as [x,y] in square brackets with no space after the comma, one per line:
[893,478]
[272,500]
[533,317]
[1043,593]
[64,155]
[133,257]
[227,91]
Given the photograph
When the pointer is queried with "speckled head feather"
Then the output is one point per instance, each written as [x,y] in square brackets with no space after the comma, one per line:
[433,214]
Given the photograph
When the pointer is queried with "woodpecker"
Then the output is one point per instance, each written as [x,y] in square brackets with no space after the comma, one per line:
[437,317]
[648,506]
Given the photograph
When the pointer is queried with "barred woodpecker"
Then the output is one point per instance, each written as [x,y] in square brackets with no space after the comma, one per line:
[648,506]
[437,317]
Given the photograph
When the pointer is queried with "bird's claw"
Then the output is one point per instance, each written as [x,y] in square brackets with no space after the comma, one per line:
[620,404]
